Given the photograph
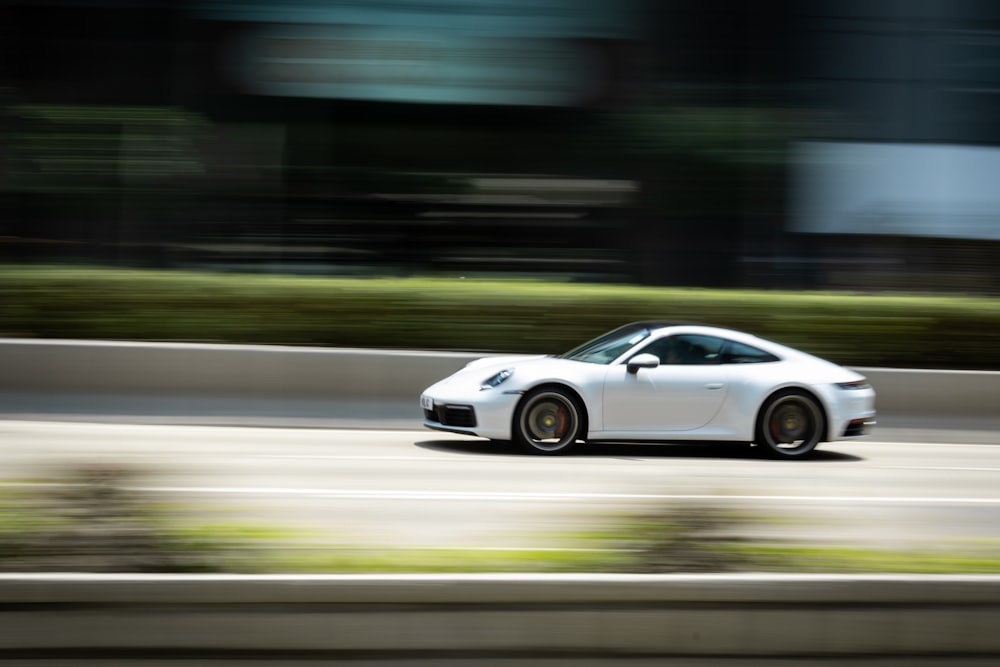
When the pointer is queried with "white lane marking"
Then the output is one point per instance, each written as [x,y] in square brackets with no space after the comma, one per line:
[907,443]
[389,494]
[321,432]
[948,468]
[349,457]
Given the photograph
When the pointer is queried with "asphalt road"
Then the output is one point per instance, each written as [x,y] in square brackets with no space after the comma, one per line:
[399,487]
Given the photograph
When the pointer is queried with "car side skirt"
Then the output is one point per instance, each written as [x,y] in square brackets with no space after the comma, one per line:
[669,436]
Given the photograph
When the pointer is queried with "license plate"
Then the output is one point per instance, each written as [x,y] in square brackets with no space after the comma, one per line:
[426,402]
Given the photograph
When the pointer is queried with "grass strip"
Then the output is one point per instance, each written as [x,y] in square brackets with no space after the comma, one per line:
[855,329]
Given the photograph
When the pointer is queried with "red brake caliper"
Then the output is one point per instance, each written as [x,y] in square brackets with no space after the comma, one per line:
[561,430]
[776,430]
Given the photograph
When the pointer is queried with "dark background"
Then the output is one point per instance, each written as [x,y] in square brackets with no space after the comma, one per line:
[125,140]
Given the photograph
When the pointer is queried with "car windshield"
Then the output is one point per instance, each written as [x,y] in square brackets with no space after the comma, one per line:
[610,346]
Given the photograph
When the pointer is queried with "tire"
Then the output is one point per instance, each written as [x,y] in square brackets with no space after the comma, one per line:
[790,425]
[548,421]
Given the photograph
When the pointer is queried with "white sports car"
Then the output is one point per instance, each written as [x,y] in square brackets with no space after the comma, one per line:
[650,381]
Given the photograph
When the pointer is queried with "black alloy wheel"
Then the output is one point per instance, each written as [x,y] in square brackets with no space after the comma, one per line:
[790,425]
[548,421]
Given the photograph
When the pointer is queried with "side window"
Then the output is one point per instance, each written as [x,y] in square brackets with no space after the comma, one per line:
[738,353]
[686,349]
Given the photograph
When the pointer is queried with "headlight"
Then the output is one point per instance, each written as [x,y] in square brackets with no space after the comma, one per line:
[857,384]
[497,379]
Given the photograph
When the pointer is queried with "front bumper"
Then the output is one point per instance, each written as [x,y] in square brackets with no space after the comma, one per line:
[452,415]
[488,415]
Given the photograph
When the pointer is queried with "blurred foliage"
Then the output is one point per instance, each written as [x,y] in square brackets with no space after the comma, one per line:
[482,316]
[686,539]
[704,538]
[88,521]
[946,559]
[91,519]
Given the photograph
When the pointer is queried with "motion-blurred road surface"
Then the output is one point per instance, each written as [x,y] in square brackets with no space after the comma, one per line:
[401,488]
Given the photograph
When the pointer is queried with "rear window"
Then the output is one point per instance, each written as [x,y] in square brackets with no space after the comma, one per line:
[739,353]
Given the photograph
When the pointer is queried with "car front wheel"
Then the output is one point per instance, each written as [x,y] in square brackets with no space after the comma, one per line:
[790,425]
[548,421]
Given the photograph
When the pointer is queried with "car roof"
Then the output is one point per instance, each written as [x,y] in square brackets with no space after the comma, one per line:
[658,325]
[665,326]
[696,328]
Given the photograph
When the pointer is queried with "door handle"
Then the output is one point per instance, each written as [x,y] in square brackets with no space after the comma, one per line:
[715,385]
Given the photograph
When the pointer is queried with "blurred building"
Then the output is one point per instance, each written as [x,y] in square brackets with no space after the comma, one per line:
[897,188]
[711,142]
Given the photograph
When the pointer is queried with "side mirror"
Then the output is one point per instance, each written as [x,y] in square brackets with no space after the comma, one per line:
[642,361]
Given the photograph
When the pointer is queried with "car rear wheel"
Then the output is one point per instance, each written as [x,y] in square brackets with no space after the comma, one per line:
[548,421]
[790,425]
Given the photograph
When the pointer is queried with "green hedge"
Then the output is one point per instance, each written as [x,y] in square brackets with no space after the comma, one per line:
[479,315]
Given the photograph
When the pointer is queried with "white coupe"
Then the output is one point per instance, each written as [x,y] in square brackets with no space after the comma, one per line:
[658,382]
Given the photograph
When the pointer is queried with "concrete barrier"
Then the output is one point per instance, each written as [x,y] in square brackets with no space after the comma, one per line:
[30,365]
[308,372]
[495,615]
[950,393]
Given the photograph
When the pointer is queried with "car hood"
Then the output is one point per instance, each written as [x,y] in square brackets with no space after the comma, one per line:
[529,370]
[478,370]
[502,361]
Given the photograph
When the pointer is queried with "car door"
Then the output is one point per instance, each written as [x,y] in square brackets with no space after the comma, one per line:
[683,393]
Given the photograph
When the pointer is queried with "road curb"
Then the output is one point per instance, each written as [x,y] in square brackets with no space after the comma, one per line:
[592,615]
